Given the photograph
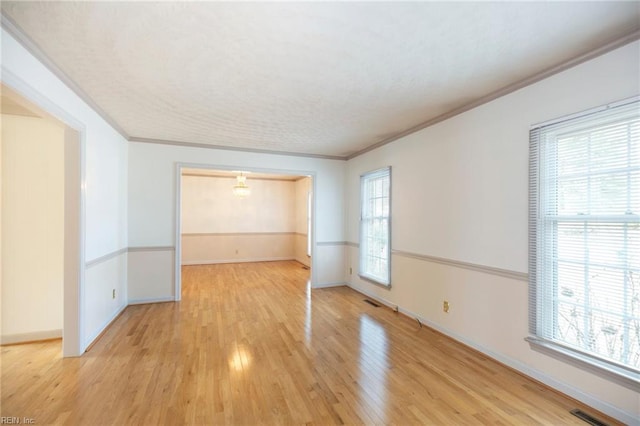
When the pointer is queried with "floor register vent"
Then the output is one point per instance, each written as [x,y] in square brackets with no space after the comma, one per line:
[587,418]
[372,303]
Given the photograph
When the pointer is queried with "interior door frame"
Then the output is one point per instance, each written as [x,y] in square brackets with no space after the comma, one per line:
[75,212]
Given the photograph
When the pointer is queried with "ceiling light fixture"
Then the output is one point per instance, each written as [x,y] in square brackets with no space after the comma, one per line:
[240,189]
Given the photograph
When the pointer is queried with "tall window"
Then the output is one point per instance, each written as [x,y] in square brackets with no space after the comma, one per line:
[585,237]
[375,226]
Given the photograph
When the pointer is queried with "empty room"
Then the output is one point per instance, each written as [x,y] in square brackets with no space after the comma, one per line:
[320,213]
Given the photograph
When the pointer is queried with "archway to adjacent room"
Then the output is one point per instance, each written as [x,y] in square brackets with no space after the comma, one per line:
[216,224]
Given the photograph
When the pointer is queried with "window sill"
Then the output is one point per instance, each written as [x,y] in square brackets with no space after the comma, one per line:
[374,281]
[618,374]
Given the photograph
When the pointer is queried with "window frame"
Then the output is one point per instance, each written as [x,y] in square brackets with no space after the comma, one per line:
[365,275]
[619,373]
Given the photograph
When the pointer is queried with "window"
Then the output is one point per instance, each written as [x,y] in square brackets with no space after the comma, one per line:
[584,266]
[375,226]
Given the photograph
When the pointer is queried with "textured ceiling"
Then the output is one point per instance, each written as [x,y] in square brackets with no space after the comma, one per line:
[317,78]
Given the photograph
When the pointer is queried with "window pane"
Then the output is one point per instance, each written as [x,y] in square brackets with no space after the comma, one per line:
[374,227]
[588,233]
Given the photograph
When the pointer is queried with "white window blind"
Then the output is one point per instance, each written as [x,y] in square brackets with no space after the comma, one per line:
[375,226]
[585,235]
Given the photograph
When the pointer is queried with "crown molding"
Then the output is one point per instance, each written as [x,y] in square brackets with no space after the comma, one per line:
[612,45]
[32,47]
[293,179]
[231,148]
[236,234]
[12,28]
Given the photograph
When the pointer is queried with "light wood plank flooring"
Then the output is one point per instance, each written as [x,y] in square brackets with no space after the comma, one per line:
[252,344]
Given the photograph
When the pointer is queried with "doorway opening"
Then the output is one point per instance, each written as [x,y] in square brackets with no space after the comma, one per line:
[240,215]
[41,223]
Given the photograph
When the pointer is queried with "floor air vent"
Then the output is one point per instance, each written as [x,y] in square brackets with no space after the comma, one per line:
[372,303]
[587,418]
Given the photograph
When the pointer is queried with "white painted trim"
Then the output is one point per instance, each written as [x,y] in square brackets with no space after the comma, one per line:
[304,262]
[73,311]
[515,275]
[151,300]
[249,178]
[219,261]
[314,227]
[82,248]
[234,148]
[30,46]
[331,243]
[10,26]
[329,285]
[150,248]
[34,336]
[619,374]
[104,326]
[371,295]
[612,45]
[108,256]
[591,401]
[236,234]
[584,113]
[177,256]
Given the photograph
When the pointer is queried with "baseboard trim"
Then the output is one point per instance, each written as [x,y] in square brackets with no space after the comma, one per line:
[33,337]
[151,300]
[328,285]
[304,262]
[220,261]
[94,339]
[513,364]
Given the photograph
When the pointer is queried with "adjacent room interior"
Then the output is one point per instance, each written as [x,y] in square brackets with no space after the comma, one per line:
[242,216]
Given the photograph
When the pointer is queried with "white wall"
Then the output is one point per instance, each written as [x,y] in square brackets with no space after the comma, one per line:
[152,208]
[219,227]
[33,228]
[104,158]
[209,206]
[460,193]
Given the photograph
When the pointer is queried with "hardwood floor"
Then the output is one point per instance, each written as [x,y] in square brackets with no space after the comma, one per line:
[251,344]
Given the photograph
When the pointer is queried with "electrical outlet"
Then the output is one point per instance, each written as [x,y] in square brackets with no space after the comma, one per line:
[445,306]
[236,251]
[113,294]
[350,271]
